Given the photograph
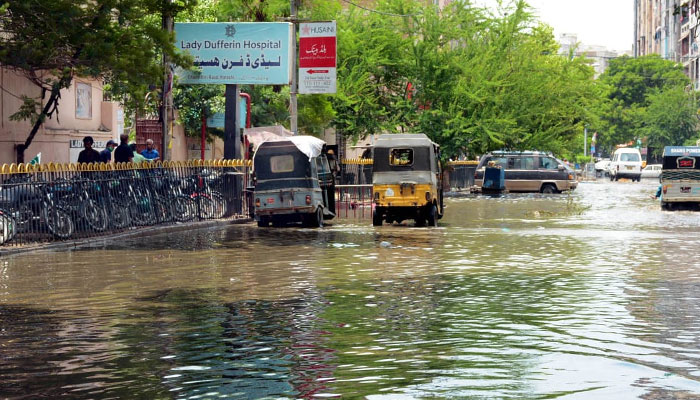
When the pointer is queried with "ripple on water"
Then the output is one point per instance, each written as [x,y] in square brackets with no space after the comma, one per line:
[593,295]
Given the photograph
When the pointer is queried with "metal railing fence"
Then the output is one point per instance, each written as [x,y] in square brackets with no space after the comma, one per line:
[51,202]
[353,201]
[356,171]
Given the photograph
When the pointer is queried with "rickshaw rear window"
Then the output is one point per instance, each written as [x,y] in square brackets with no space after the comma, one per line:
[401,157]
[284,163]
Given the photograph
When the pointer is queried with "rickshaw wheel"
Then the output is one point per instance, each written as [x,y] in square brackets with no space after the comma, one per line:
[318,220]
[432,217]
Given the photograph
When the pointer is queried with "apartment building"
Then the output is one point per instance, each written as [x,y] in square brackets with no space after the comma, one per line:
[599,56]
[669,28]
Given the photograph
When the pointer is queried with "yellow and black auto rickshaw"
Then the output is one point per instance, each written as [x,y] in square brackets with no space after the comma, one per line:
[406,180]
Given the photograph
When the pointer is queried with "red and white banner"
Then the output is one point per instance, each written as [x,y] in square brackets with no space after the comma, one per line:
[317,57]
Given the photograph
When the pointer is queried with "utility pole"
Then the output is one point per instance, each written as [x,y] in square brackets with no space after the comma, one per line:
[293,87]
[167,99]
[585,140]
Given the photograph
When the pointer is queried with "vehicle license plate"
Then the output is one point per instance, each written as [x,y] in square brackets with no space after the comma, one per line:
[630,168]
[270,200]
[685,189]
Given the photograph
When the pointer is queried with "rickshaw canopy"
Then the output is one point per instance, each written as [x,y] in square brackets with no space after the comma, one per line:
[681,157]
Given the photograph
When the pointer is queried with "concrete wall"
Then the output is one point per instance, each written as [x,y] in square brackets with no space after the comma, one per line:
[188,148]
[60,138]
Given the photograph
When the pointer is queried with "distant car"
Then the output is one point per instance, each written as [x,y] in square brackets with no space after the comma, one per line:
[602,164]
[652,171]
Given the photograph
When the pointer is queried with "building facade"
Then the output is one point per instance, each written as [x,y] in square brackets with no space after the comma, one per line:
[670,29]
[81,112]
[599,56]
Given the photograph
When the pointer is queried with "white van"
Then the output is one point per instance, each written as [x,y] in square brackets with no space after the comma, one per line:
[626,163]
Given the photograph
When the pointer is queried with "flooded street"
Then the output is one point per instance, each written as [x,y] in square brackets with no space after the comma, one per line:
[593,295]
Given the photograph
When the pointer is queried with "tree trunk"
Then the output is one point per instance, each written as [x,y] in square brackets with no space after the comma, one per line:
[42,117]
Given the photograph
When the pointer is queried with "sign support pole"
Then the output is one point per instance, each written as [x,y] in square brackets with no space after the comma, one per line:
[232,133]
[293,87]
[232,141]
[167,99]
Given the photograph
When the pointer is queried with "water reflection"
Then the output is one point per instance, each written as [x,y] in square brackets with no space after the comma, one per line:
[523,296]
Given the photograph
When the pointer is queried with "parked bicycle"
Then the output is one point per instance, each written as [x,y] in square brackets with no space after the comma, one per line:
[8,227]
[31,205]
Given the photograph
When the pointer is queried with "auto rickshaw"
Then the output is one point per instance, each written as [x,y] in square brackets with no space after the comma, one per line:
[407,180]
[680,178]
[293,182]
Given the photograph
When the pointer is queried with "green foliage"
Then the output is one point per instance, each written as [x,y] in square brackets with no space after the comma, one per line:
[119,41]
[670,118]
[195,102]
[29,110]
[269,106]
[480,81]
[629,87]
[315,112]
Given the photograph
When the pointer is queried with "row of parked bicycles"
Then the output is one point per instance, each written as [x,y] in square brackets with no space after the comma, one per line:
[94,202]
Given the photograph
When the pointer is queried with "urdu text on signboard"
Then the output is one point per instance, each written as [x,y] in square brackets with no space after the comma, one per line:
[317,57]
[254,53]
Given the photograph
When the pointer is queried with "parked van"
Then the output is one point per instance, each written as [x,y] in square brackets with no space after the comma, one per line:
[626,163]
[529,171]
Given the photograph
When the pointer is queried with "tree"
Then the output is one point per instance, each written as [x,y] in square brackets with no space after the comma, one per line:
[478,81]
[670,119]
[195,103]
[629,86]
[51,42]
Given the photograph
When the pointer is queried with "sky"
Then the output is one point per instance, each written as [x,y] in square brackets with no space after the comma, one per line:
[608,23]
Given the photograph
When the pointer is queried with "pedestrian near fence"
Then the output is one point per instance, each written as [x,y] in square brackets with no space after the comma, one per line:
[123,153]
[89,155]
[106,154]
[150,153]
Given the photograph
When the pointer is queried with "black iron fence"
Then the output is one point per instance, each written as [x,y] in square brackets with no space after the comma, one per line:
[50,202]
[356,171]
[353,201]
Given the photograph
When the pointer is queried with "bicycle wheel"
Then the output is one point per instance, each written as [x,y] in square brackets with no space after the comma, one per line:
[164,212]
[184,209]
[219,205]
[59,222]
[96,216]
[7,228]
[205,207]
[120,217]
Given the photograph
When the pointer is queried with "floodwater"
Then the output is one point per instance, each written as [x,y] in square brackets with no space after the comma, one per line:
[589,296]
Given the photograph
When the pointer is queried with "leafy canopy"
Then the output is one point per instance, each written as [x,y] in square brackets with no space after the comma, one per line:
[118,41]
[645,97]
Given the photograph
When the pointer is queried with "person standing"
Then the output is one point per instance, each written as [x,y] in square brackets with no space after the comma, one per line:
[89,155]
[106,154]
[150,154]
[137,156]
[123,153]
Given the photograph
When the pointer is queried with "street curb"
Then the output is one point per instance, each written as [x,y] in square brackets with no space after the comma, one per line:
[138,232]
